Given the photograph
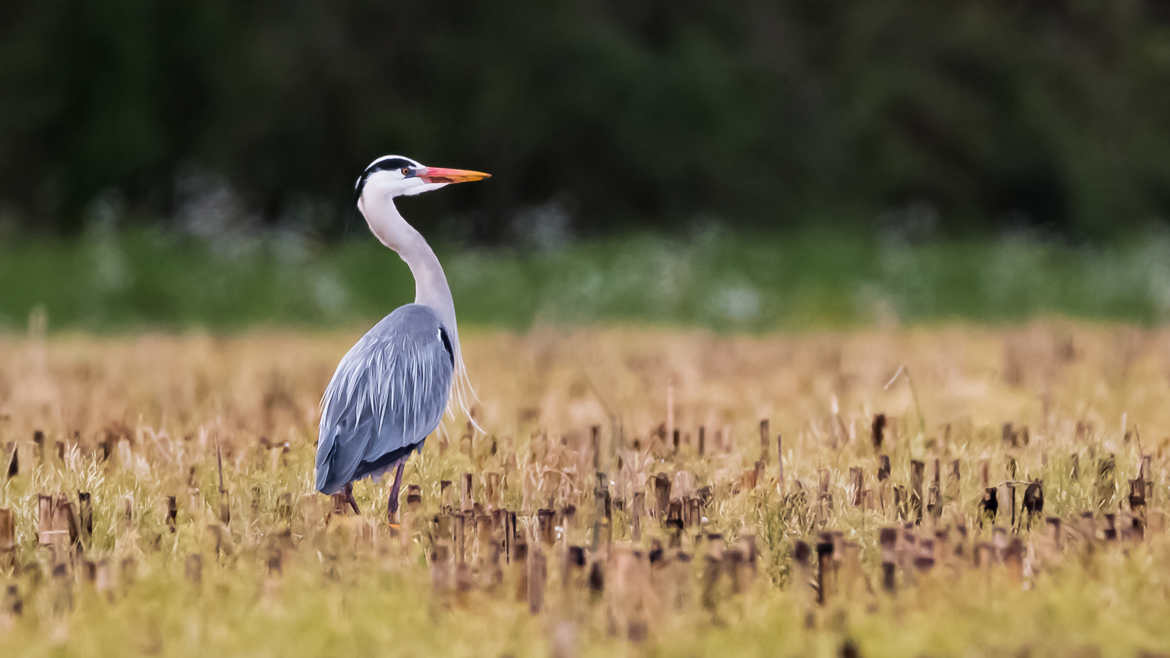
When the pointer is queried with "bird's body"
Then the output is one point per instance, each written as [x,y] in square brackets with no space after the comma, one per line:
[388,394]
[390,390]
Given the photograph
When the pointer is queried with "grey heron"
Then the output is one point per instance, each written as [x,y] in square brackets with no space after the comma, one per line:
[390,390]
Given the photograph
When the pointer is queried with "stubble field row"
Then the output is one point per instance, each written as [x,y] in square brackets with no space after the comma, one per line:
[956,489]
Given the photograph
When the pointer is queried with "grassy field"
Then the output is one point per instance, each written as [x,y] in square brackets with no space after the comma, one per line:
[112,280]
[263,566]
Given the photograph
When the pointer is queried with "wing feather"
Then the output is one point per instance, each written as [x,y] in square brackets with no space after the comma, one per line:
[387,395]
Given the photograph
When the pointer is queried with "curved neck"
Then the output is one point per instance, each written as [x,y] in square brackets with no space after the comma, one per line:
[430,283]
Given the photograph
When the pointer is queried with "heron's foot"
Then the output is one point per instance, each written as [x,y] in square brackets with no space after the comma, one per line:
[392,511]
[349,498]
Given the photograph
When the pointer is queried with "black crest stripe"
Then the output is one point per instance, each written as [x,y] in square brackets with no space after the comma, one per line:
[381,164]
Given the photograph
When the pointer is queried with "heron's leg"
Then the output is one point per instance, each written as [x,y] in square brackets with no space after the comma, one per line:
[392,503]
[349,498]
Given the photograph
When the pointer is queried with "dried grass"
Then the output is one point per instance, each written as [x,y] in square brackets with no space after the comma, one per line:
[268,567]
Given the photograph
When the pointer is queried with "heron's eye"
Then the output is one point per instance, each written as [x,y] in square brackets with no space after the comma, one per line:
[406,171]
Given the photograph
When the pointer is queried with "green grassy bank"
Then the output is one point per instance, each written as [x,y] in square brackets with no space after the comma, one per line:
[127,280]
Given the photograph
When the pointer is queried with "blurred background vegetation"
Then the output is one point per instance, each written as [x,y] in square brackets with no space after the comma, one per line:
[749,164]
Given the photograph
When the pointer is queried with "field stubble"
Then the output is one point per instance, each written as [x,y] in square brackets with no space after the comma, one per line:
[625,497]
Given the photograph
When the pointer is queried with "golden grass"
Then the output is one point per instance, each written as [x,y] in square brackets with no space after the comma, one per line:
[266,568]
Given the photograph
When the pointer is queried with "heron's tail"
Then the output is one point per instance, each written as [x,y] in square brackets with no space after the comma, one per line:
[325,450]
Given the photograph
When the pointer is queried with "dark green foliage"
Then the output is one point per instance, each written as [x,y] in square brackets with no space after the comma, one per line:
[1016,112]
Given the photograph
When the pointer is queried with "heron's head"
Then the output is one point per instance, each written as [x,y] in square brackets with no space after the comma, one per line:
[396,175]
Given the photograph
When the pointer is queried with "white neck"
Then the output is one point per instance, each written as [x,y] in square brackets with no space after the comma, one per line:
[430,283]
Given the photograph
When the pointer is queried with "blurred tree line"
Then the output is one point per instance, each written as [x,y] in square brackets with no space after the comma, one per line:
[990,113]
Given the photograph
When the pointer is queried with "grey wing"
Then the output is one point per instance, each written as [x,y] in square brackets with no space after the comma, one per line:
[388,394]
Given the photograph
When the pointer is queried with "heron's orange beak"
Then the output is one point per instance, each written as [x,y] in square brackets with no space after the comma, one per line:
[441,175]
